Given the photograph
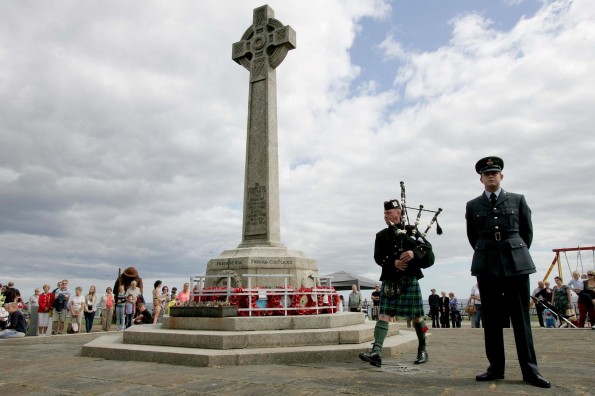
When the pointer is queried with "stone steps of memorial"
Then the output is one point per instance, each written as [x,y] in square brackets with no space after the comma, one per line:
[113,347]
[156,335]
[246,323]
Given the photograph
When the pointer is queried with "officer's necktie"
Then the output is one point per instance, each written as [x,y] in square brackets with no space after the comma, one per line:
[493,199]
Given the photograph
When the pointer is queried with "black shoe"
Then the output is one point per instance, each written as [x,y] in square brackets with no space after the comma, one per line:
[538,381]
[372,357]
[422,357]
[488,376]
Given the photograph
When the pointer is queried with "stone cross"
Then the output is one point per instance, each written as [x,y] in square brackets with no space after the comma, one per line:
[262,48]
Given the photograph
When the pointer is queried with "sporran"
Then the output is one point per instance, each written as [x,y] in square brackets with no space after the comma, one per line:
[392,289]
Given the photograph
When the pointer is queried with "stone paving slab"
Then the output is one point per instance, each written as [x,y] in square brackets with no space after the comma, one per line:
[54,366]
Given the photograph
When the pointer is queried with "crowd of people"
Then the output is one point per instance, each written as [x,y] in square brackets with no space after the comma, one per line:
[446,311]
[555,306]
[60,310]
[50,311]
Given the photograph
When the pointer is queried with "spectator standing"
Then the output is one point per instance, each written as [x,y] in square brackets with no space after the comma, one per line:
[129,310]
[10,293]
[455,314]
[444,310]
[77,307]
[184,295]
[133,291]
[470,309]
[120,308]
[107,303]
[90,308]
[365,307]
[61,300]
[33,312]
[174,299]
[477,302]
[434,302]
[17,325]
[355,300]
[586,300]
[46,300]
[546,294]
[157,301]
[576,283]
[538,307]
[166,298]
[561,299]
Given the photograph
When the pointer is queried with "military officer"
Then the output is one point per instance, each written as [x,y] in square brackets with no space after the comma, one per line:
[500,232]
[401,258]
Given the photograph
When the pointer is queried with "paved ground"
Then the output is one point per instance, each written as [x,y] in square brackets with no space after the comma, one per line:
[54,366]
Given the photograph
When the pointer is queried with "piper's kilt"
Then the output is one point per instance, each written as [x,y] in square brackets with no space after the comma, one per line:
[408,304]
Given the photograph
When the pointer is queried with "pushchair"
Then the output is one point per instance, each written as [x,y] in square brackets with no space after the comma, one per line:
[550,307]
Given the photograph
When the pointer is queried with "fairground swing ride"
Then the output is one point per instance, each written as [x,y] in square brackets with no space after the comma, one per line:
[579,261]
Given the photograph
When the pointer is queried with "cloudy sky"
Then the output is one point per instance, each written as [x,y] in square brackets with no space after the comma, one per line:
[123,130]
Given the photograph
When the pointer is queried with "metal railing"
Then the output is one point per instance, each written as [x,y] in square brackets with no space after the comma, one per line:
[274,300]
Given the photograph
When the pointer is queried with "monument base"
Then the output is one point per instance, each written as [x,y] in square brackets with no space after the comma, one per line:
[262,260]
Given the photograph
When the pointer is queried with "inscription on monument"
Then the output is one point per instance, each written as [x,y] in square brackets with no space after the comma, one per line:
[272,261]
[256,206]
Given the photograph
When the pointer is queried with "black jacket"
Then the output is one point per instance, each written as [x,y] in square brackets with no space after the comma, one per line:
[500,235]
[434,301]
[388,248]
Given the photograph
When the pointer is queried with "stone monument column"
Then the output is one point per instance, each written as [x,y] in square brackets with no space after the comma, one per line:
[261,49]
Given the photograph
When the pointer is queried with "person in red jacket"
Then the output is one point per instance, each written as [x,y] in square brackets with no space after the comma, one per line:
[45,301]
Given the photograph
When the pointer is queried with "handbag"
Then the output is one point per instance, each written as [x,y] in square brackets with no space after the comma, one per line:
[571,313]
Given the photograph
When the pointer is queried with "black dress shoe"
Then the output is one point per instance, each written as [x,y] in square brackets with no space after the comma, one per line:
[372,357]
[422,357]
[488,376]
[538,381]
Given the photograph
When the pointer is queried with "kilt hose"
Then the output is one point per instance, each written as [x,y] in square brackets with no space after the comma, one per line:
[408,304]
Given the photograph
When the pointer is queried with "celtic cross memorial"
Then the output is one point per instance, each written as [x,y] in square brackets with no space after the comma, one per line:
[263,46]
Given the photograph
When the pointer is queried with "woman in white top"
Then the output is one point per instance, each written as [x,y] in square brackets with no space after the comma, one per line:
[76,308]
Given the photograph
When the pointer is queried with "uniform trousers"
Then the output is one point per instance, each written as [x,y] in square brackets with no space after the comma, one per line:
[513,292]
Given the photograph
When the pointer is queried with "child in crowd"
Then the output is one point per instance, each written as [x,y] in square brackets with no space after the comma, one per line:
[129,310]
[17,325]
[144,316]
[550,320]
[120,305]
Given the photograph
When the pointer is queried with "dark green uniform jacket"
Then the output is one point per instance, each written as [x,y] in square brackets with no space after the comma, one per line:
[500,235]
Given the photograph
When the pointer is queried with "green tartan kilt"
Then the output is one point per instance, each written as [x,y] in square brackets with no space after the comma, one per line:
[408,304]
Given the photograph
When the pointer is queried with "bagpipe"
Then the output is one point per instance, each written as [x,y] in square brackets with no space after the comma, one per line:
[412,230]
